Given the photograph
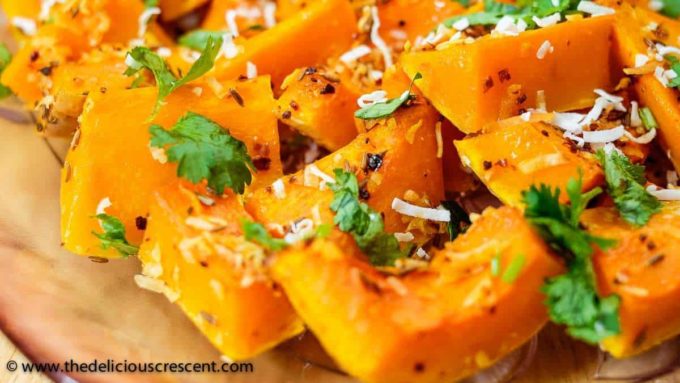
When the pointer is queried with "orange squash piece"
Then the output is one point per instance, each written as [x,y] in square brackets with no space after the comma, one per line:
[321,30]
[510,156]
[630,34]
[173,9]
[111,158]
[642,270]
[405,20]
[417,327]
[319,107]
[466,82]
[408,147]
[198,256]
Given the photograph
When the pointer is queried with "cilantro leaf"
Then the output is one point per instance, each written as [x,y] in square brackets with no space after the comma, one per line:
[675,67]
[460,220]
[257,233]
[198,39]
[385,109]
[625,184]
[648,120]
[572,298]
[5,59]
[205,151]
[365,224]
[150,3]
[142,57]
[671,8]
[526,10]
[114,235]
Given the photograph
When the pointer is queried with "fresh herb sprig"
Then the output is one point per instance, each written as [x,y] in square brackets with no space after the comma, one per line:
[256,232]
[625,184]
[385,109]
[198,39]
[143,58]
[365,224]
[526,10]
[5,59]
[114,236]
[204,150]
[572,297]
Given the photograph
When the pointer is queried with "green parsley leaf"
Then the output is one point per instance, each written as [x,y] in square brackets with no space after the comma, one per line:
[365,224]
[205,151]
[671,8]
[526,10]
[460,220]
[198,39]
[114,235]
[648,120]
[5,59]
[572,298]
[150,3]
[165,80]
[257,233]
[464,3]
[385,109]
[675,67]
[625,184]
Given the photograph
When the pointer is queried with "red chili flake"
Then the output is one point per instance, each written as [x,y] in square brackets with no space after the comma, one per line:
[503,75]
[140,223]
[286,115]
[328,89]
[488,84]
[262,163]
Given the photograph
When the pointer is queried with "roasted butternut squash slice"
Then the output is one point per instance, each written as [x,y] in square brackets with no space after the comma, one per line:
[321,30]
[318,106]
[631,32]
[110,156]
[198,256]
[416,327]
[510,156]
[642,270]
[466,82]
[173,9]
[403,150]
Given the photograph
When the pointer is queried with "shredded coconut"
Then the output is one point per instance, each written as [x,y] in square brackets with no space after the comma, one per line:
[664,194]
[635,120]
[279,189]
[378,41]
[404,237]
[270,14]
[594,9]
[25,25]
[544,49]
[510,26]
[376,97]
[104,204]
[144,19]
[604,136]
[355,53]
[548,20]
[251,70]
[410,210]
[46,8]
[643,139]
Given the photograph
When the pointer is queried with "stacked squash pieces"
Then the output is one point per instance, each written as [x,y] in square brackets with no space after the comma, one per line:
[283,165]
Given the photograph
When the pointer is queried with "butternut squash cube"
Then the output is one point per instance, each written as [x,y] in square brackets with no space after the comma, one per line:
[197,255]
[466,82]
[642,270]
[110,156]
[514,154]
[417,327]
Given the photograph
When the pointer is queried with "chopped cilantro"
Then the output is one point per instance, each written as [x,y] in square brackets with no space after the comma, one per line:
[150,3]
[675,67]
[114,235]
[257,233]
[572,298]
[625,184]
[205,151]
[142,57]
[385,109]
[5,59]
[365,224]
[460,221]
[514,269]
[198,39]
[648,120]
[525,10]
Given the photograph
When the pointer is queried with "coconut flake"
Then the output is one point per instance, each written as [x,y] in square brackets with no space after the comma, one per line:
[544,49]
[594,9]
[144,19]
[526,116]
[548,20]
[641,60]
[664,194]
[279,189]
[300,231]
[25,25]
[671,178]
[229,49]
[422,254]
[604,136]
[104,204]
[510,26]
[643,139]
[269,14]
[378,41]
[376,97]
[655,5]
[404,237]
[355,53]
[578,140]
[665,49]
[461,24]
[570,122]
[405,208]
[46,7]
[312,169]
[251,70]
[635,120]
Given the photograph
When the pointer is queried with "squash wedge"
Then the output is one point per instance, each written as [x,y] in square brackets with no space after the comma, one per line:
[416,328]
[466,82]
[296,42]
[173,9]
[407,147]
[198,256]
[642,270]
[510,156]
[110,155]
